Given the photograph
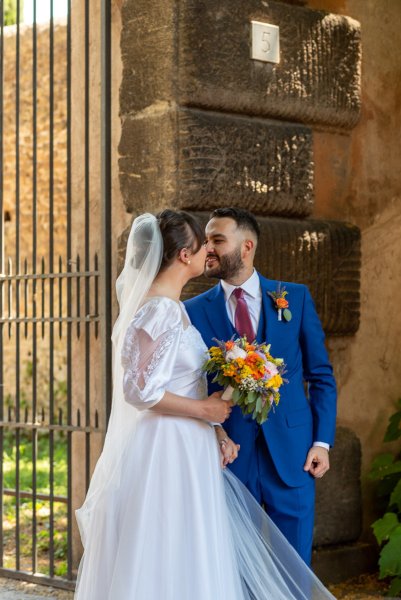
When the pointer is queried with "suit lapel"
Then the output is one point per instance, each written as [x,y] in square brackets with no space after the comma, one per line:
[272,329]
[216,312]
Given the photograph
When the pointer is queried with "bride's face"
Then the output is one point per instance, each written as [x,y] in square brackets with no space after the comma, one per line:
[198,259]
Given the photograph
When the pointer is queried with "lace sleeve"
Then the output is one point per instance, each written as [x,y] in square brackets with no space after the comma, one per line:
[148,357]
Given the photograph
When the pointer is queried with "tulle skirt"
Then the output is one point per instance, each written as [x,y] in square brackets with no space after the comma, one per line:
[178,527]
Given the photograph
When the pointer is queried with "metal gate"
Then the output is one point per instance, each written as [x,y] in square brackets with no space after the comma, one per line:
[55,276]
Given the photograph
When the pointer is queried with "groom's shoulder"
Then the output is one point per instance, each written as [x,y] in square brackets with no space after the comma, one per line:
[200,298]
[291,287]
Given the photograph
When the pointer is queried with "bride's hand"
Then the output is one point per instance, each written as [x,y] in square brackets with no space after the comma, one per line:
[228,449]
[215,409]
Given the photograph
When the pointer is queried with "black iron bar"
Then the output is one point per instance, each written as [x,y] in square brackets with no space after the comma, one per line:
[42,426]
[34,437]
[26,299]
[69,307]
[87,239]
[60,297]
[51,289]
[81,319]
[17,287]
[9,297]
[78,297]
[62,584]
[38,276]
[43,279]
[35,496]
[1,283]
[96,294]
[106,289]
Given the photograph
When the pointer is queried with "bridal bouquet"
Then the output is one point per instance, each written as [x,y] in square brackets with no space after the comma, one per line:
[250,374]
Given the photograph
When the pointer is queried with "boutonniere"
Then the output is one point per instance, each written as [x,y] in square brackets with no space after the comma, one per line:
[281,303]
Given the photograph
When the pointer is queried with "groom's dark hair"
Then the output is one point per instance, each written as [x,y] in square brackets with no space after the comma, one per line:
[243,218]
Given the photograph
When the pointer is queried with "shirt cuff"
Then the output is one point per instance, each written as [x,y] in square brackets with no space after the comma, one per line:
[322,445]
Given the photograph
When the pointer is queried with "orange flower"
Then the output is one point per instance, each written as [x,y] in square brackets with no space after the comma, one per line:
[249,347]
[282,303]
[230,345]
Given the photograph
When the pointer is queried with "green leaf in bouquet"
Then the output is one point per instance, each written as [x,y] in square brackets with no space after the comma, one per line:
[236,395]
[265,410]
[390,556]
[258,407]
[252,397]
[395,497]
[287,314]
[384,527]
[242,398]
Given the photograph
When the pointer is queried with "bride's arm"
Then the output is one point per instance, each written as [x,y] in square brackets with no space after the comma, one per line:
[148,358]
[212,408]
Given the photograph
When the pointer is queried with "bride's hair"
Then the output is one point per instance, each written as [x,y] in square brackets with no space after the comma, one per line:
[179,230]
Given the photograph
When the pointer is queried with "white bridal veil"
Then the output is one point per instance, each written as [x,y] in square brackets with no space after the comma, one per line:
[142,262]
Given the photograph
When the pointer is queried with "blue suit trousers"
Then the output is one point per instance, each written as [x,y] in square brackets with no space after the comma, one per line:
[291,509]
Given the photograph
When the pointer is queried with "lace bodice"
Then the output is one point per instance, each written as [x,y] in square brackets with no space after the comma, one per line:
[162,352]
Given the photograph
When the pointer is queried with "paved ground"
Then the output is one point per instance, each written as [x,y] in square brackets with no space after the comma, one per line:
[366,587]
[11,589]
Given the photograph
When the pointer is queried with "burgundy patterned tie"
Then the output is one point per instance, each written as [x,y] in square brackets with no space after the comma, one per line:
[243,323]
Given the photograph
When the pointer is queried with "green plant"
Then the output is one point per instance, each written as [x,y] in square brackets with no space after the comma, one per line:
[10,11]
[386,469]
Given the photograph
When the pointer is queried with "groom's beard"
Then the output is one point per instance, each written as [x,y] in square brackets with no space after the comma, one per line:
[228,265]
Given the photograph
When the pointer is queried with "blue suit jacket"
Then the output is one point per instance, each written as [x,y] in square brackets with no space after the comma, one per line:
[297,421]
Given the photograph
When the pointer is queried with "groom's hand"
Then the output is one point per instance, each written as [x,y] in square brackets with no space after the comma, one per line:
[317,461]
[215,409]
[228,451]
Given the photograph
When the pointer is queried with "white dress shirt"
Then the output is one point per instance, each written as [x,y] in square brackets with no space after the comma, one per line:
[253,297]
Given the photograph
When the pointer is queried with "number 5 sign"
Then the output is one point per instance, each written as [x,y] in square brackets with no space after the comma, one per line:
[265,42]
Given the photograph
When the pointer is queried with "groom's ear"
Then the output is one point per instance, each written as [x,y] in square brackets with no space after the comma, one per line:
[249,247]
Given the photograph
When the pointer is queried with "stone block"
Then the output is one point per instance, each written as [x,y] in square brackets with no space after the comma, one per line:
[325,255]
[338,495]
[335,564]
[199,160]
[197,53]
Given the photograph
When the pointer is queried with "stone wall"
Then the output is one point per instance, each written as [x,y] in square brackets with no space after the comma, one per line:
[358,178]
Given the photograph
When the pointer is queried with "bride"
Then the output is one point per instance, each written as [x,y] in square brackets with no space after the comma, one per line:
[163,519]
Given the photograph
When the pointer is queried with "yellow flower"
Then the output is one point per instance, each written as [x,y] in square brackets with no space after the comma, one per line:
[215,351]
[246,372]
[275,382]
[228,370]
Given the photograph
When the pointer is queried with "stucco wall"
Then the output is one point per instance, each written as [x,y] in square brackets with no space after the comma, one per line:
[358,179]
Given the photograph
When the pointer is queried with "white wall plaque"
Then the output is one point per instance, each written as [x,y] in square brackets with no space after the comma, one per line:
[265,42]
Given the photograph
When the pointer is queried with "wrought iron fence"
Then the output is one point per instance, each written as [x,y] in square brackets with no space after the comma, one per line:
[55,280]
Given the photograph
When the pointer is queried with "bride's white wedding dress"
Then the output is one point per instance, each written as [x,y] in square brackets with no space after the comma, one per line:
[178,527]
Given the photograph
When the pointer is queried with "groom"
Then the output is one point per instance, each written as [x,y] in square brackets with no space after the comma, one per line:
[280,459]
